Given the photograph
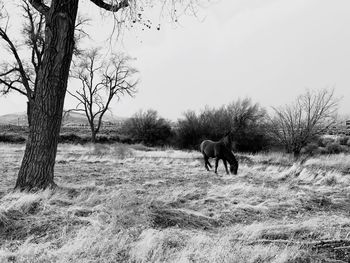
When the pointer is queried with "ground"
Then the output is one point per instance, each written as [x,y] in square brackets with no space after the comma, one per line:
[118,203]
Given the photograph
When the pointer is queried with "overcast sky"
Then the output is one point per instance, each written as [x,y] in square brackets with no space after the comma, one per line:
[269,50]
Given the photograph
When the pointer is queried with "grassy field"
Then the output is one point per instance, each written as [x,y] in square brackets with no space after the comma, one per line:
[120,203]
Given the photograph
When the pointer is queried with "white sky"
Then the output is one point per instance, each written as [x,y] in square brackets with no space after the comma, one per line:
[269,50]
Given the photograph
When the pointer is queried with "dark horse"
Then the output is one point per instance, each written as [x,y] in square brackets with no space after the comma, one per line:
[219,150]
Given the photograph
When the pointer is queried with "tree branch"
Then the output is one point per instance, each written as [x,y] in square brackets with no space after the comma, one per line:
[40,6]
[33,30]
[8,72]
[111,7]
[21,69]
[10,86]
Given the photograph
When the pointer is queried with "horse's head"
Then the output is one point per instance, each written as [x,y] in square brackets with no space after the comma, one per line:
[234,168]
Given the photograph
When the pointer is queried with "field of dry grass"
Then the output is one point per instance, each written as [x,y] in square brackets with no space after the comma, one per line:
[121,203]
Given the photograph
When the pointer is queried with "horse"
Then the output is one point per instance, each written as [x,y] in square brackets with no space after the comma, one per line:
[218,150]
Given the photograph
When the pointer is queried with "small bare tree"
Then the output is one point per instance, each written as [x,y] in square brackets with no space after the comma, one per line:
[310,115]
[102,80]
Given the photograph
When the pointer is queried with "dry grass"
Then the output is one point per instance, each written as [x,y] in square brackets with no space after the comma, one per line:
[120,203]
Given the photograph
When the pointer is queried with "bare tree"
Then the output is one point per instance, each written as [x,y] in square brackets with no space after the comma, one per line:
[46,100]
[18,74]
[310,115]
[102,80]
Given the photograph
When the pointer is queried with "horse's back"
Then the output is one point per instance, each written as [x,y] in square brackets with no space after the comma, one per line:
[207,148]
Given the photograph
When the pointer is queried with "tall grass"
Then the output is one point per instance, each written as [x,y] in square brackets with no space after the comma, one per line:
[120,203]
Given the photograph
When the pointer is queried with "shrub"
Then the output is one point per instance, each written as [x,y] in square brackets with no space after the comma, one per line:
[334,147]
[295,125]
[245,120]
[324,141]
[70,138]
[190,131]
[343,140]
[126,139]
[12,138]
[107,138]
[148,128]
[73,138]
[311,148]
[322,150]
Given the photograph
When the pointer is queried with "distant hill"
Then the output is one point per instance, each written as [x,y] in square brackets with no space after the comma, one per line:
[19,119]
[70,119]
[78,118]
[74,118]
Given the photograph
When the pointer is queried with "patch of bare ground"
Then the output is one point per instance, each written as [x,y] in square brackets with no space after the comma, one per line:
[118,203]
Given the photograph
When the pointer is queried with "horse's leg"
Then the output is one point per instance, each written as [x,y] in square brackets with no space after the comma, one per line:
[216,164]
[225,164]
[206,162]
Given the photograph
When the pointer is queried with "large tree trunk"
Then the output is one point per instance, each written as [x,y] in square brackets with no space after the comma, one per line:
[37,169]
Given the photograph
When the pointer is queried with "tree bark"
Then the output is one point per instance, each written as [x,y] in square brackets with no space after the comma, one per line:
[296,154]
[29,112]
[93,135]
[37,168]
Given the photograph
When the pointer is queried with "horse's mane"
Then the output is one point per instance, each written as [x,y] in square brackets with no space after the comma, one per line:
[227,140]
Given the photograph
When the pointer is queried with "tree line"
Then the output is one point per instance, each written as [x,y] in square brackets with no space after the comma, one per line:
[290,127]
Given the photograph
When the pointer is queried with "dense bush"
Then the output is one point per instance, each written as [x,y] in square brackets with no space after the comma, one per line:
[327,145]
[147,128]
[245,120]
[12,138]
[343,140]
[335,147]
[107,138]
[324,141]
[193,129]
[81,139]
[311,149]
[71,138]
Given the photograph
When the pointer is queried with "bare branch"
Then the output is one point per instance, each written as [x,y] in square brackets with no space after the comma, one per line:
[9,72]
[33,32]
[10,85]
[20,67]
[297,124]
[101,81]
[111,7]
[40,6]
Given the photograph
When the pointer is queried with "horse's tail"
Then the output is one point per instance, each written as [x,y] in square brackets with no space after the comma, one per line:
[201,147]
